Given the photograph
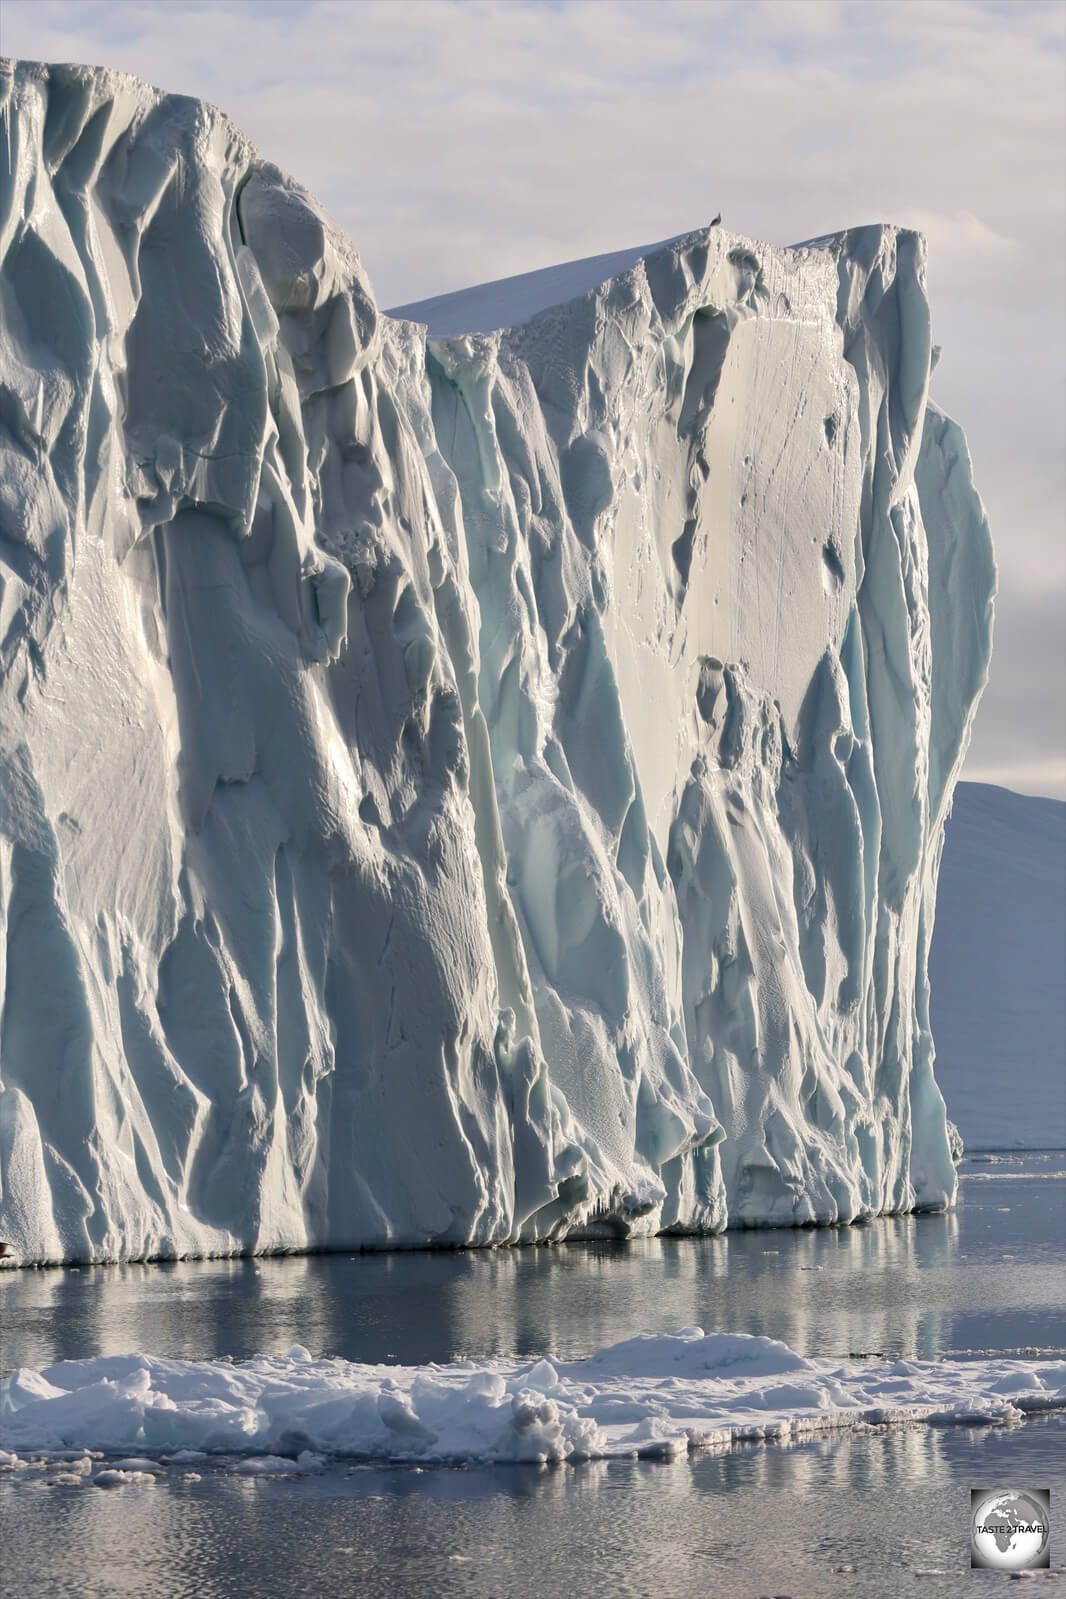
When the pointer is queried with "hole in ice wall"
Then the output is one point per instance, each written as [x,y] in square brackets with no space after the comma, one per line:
[681,549]
[833,576]
[709,688]
[749,278]
[831,426]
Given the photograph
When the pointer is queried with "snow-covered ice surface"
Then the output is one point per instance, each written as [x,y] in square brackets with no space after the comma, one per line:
[460,792]
[651,1395]
[492,307]
[997,968]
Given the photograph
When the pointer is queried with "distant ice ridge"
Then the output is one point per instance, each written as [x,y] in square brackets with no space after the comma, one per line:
[464,792]
[996,968]
[653,1395]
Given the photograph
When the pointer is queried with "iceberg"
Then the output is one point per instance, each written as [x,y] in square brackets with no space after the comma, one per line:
[466,788]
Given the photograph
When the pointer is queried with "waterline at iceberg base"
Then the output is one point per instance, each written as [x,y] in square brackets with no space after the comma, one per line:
[466,789]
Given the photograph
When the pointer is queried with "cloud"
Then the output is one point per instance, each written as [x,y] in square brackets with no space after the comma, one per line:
[1018,732]
[462,140]
[1028,775]
[961,239]
[523,129]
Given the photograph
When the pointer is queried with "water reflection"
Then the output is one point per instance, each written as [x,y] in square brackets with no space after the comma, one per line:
[860,1514]
[985,1277]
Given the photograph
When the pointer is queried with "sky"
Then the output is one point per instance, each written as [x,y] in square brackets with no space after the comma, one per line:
[460,141]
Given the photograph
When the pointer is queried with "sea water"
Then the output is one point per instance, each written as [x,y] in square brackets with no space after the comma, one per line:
[870,1513]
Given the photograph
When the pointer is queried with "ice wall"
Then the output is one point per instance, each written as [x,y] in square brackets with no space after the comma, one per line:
[461,791]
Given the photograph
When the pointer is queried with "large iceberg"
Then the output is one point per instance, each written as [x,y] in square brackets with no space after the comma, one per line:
[457,789]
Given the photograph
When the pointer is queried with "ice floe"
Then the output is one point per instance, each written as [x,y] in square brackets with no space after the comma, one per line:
[654,1395]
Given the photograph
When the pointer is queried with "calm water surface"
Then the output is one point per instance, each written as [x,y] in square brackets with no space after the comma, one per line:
[759,1520]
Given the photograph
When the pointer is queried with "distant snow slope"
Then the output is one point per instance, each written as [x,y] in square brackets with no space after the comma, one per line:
[506,302]
[464,791]
[998,969]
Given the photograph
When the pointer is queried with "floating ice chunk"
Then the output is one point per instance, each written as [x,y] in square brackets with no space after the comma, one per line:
[305,1464]
[653,1395]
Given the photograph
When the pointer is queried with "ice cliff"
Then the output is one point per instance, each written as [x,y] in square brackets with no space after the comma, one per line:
[468,789]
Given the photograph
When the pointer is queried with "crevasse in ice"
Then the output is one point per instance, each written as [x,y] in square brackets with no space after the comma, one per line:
[465,789]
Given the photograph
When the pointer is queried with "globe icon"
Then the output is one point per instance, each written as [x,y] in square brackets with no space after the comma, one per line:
[1010,1530]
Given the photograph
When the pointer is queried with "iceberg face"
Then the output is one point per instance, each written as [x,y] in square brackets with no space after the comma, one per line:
[468,789]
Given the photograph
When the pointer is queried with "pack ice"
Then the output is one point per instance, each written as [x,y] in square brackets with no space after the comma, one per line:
[457,789]
[653,1395]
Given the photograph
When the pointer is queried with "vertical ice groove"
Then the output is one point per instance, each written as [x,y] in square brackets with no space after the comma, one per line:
[465,791]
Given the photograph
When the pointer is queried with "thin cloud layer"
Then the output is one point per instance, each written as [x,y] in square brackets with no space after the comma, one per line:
[463,140]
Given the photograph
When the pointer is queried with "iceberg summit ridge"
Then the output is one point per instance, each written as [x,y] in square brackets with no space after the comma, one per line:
[457,790]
